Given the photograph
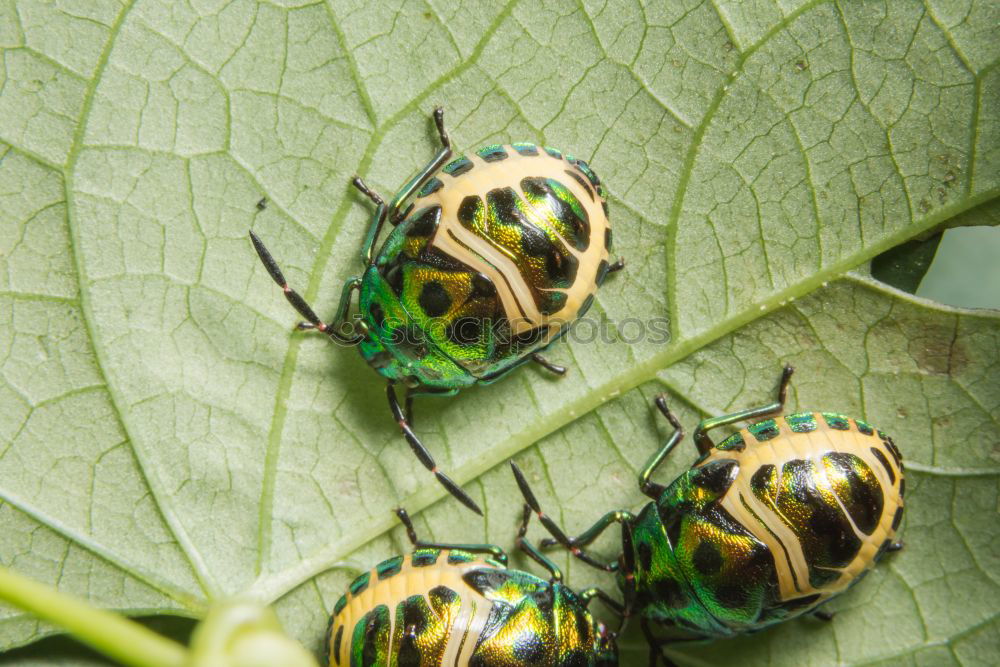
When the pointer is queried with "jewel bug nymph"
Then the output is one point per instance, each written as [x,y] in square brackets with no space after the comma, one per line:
[766,525]
[493,255]
[459,604]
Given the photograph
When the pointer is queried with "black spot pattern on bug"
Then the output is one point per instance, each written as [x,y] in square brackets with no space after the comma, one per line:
[424,557]
[864,427]
[584,625]
[572,226]
[902,486]
[583,183]
[885,464]
[434,299]
[672,528]
[377,314]
[897,518]
[864,499]
[388,568]
[707,559]
[826,535]
[458,166]
[375,637]
[393,274]
[328,640]
[764,430]
[482,287]
[465,331]
[764,482]
[798,604]
[441,598]
[531,336]
[525,148]
[502,202]
[607,233]
[602,272]
[732,596]
[543,599]
[645,555]
[716,476]
[485,580]
[669,592]
[892,449]
[411,624]
[434,258]
[360,583]
[424,224]
[430,187]
[336,645]
[492,153]
[882,549]
[469,211]
[733,443]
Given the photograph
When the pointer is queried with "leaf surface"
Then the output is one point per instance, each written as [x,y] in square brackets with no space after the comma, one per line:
[166,439]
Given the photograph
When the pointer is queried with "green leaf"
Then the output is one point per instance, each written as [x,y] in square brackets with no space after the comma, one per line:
[167,439]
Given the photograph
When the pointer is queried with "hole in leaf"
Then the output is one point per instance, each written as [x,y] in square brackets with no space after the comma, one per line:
[957,268]
[904,266]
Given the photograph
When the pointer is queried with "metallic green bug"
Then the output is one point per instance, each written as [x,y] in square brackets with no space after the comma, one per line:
[453,604]
[766,525]
[493,256]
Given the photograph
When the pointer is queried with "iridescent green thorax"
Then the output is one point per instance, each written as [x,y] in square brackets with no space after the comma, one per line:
[662,590]
[437,607]
[397,346]
[773,521]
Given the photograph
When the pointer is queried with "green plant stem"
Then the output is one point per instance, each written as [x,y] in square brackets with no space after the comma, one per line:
[113,635]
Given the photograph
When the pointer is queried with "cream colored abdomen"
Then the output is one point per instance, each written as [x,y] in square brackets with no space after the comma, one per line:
[791,563]
[478,253]
[409,581]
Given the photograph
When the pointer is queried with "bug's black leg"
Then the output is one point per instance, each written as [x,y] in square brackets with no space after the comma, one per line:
[366,191]
[826,616]
[492,550]
[378,220]
[442,132]
[592,533]
[396,207]
[617,265]
[591,593]
[409,408]
[704,443]
[655,647]
[303,308]
[553,528]
[555,574]
[627,567]
[650,488]
[895,546]
[548,365]
[294,298]
[425,456]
